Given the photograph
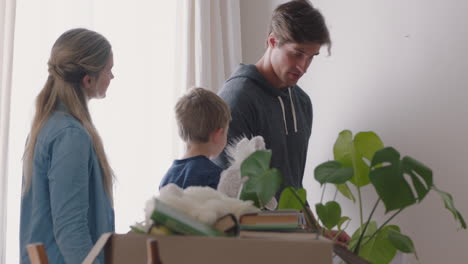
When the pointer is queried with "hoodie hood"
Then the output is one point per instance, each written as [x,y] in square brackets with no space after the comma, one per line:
[250,71]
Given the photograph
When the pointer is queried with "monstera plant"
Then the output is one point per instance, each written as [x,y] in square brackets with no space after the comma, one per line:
[398,182]
[358,162]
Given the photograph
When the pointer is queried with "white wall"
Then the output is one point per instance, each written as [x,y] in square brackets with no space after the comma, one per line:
[399,68]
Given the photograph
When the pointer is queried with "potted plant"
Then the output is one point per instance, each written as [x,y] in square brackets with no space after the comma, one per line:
[361,161]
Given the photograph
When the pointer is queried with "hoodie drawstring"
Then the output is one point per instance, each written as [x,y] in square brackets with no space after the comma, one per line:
[284,114]
[293,110]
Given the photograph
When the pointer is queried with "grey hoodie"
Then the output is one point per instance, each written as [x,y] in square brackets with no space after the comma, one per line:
[282,116]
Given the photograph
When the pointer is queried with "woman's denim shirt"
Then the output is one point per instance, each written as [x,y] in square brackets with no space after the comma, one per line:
[66,208]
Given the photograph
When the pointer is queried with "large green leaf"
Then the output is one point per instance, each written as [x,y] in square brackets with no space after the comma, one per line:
[401,242]
[263,182]
[448,202]
[418,172]
[357,153]
[332,172]
[371,228]
[344,189]
[289,201]
[387,176]
[377,250]
[329,214]
[256,163]
[343,220]
[365,145]
[388,180]
[343,148]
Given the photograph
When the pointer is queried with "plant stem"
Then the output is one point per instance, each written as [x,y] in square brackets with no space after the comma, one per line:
[323,192]
[336,193]
[382,226]
[260,202]
[360,204]
[356,249]
[308,213]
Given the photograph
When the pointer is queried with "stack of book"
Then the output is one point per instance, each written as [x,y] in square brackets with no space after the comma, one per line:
[180,222]
[279,220]
[282,224]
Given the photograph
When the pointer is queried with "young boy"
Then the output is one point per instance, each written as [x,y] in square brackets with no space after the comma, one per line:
[203,119]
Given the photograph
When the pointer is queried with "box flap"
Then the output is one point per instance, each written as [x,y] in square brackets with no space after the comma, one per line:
[131,248]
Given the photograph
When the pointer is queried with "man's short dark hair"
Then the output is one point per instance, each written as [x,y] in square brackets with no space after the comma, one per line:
[299,22]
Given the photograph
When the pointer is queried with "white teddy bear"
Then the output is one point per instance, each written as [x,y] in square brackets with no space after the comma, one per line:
[231,180]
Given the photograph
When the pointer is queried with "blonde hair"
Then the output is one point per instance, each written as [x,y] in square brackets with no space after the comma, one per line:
[199,113]
[76,52]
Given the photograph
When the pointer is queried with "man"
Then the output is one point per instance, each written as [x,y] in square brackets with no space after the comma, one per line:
[265,99]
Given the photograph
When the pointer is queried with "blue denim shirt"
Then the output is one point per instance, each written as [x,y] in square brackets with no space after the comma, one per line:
[66,208]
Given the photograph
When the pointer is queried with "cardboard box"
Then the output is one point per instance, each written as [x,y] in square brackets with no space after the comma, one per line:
[131,248]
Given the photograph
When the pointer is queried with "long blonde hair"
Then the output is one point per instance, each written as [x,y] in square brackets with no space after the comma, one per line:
[76,52]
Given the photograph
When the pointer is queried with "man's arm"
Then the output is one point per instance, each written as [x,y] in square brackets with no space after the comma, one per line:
[341,238]
[242,118]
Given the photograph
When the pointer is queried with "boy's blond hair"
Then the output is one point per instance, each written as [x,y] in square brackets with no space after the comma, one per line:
[199,113]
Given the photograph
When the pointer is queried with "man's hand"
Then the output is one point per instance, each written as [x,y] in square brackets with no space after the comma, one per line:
[340,237]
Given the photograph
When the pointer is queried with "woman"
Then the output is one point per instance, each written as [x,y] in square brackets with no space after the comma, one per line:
[67,181]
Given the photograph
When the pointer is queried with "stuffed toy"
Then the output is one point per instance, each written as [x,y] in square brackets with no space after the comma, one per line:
[231,180]
[202,203]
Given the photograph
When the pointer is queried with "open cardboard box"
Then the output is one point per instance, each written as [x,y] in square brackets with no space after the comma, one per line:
[131,248]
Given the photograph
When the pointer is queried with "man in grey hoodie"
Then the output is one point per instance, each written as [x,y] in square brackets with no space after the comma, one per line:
[265,99]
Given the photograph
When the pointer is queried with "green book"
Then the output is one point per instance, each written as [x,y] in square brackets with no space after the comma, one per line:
[180,222]
[279,220]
